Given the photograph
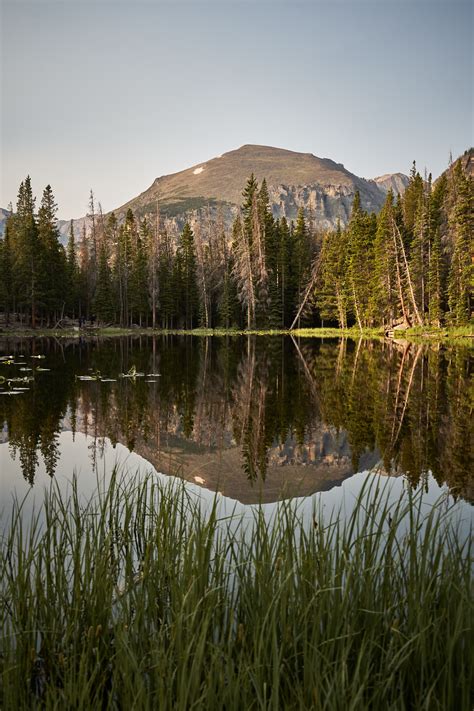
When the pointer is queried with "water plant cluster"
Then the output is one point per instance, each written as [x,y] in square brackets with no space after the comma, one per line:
[139,598]
[14,384]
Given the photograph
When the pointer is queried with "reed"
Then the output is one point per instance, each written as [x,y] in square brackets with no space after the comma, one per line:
[140,599]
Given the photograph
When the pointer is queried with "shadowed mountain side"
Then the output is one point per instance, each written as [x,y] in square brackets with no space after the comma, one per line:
[292,470]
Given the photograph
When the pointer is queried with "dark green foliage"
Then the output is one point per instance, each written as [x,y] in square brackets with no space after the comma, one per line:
[6,275]
[52,259]
[138,276]
[333,291]
[104,298]
[176,209]
[461,284]
[185,280]
[72,274]
[361,236]
[300,261]
[412,264]
[27,252]
[411,200]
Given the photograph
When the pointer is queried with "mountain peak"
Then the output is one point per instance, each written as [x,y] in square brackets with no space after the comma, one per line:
[324,188]
[320,185]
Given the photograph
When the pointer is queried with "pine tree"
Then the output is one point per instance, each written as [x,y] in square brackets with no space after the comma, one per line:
[460,284]
[253,246]
[250,267]
[203,271]
[227,296]
[300,264]
[411,201]
[103,298]
[166,272]
[277,260]
[420,248]
[267,254]
[138,275]
[435,284]
[84,297]
[27,252]
[52,261]
[285,285]
[186,278]
[404,282]
[72,274]
[152,246]
[93,251]
[383,305]
[243,271]
[6,274]
[437,273]
[331,295]
[127,235]
[361,236]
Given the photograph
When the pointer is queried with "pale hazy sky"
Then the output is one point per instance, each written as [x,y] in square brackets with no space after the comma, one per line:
[110,95]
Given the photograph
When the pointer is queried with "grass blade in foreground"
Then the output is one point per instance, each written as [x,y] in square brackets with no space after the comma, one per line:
[136,599]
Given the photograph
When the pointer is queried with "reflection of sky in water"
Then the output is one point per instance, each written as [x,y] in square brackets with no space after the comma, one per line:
[252,417]
[75,457]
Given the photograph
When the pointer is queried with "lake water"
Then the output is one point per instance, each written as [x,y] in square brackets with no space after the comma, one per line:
[257,419]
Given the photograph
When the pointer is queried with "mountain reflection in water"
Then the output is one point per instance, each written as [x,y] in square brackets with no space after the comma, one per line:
[257,418]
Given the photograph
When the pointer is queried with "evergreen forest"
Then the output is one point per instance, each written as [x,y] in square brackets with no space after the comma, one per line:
[410,265]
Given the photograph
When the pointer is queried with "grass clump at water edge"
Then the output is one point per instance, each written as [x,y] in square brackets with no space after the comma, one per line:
[139,599]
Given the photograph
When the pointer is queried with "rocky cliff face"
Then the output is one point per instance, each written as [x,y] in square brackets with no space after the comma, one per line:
[4,215]
[397,182]
[324,205]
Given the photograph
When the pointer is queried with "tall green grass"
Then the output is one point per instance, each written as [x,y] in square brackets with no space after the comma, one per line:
[137,599]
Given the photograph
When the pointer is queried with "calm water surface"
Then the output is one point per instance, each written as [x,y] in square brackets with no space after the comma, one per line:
[257,419]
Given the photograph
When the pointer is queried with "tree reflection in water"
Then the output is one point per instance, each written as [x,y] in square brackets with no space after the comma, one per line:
[276,401]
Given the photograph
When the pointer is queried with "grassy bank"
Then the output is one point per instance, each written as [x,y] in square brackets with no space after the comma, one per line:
[460,333]
[136,600]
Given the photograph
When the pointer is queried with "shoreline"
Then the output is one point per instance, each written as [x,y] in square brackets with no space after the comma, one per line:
[464,334]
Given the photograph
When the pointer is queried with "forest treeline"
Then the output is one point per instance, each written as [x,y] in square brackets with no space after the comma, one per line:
[411,264]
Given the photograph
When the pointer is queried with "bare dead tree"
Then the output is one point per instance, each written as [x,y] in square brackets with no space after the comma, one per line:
[309,289]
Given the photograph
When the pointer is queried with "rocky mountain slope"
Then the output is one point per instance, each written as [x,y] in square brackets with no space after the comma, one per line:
[392,181]
[324,188]
[4,214]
